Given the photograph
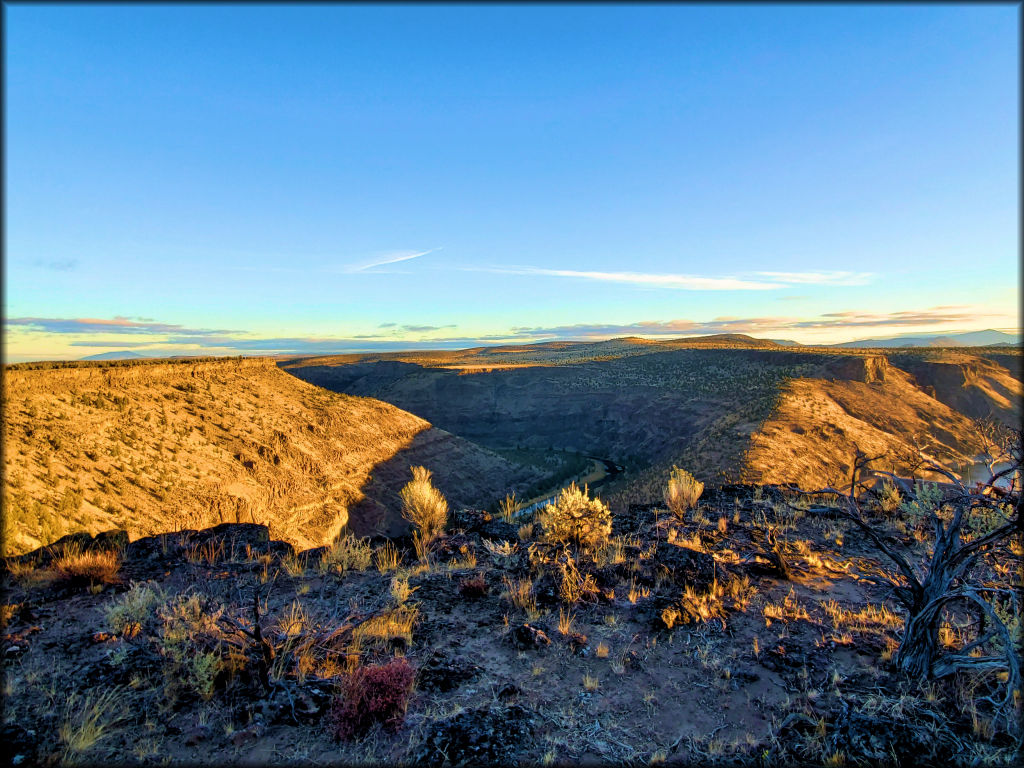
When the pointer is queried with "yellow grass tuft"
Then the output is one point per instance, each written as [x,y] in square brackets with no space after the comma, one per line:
[93,566]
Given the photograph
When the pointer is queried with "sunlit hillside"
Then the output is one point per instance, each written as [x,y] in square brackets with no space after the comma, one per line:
[161,446]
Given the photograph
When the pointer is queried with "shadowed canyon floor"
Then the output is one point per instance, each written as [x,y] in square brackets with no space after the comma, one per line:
[723,407]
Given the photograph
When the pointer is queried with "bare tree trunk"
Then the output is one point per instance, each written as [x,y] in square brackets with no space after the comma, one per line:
[917,652]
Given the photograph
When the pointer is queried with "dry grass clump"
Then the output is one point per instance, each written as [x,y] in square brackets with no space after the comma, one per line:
[870,617]
[392,628]
[29,573]
[704,606]
[519,592]
[613,553]
[400,589]
[90,718]
[294,621]
[507,508]
[637,593]
[789,609]
[387,557]
[576,519]
[574,586]
[565,621]
[682,492]
[741,590]
[91,566]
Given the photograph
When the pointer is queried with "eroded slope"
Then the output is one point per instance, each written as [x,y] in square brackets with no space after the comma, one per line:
[158,447]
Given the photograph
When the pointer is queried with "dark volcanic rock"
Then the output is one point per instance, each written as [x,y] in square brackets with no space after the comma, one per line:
[440,674]
[235,536]
[17,745]
[527,636]
[685,566]
[486,736]
[169,545]
[484,524]
[113,539]
[636,518]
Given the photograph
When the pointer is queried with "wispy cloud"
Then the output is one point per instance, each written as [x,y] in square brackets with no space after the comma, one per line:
[757,325]
[390,257]
[754,281]
[56,265]
[933,316]
[113,325]
[818,278]
[119,344]
[425,328]
[650,279]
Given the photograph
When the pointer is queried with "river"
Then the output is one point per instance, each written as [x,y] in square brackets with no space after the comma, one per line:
[600,472]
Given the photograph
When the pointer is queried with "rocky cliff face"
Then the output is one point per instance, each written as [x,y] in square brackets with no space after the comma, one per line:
[868,369]
[976,385]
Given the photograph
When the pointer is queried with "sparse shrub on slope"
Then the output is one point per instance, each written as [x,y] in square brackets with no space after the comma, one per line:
[682,492]
[891,499]
[128,613]
[347,553]
[423,505]
[192,644]
[576,519]
[373,694]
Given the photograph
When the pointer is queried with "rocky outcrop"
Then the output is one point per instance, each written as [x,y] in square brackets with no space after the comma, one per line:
[974,385]
[866,369]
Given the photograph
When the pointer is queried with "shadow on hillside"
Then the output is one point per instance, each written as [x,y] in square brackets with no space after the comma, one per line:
[467,474]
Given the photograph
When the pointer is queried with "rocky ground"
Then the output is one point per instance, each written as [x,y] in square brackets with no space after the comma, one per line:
[675,641]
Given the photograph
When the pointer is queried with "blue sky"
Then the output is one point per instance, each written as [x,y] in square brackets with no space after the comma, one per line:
[223,179]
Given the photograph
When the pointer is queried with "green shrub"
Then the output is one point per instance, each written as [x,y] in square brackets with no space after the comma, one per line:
[134,607]
[347,554]
[890,498]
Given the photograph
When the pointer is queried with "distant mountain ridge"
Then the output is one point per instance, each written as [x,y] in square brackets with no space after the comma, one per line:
[116,355]
[984,338]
